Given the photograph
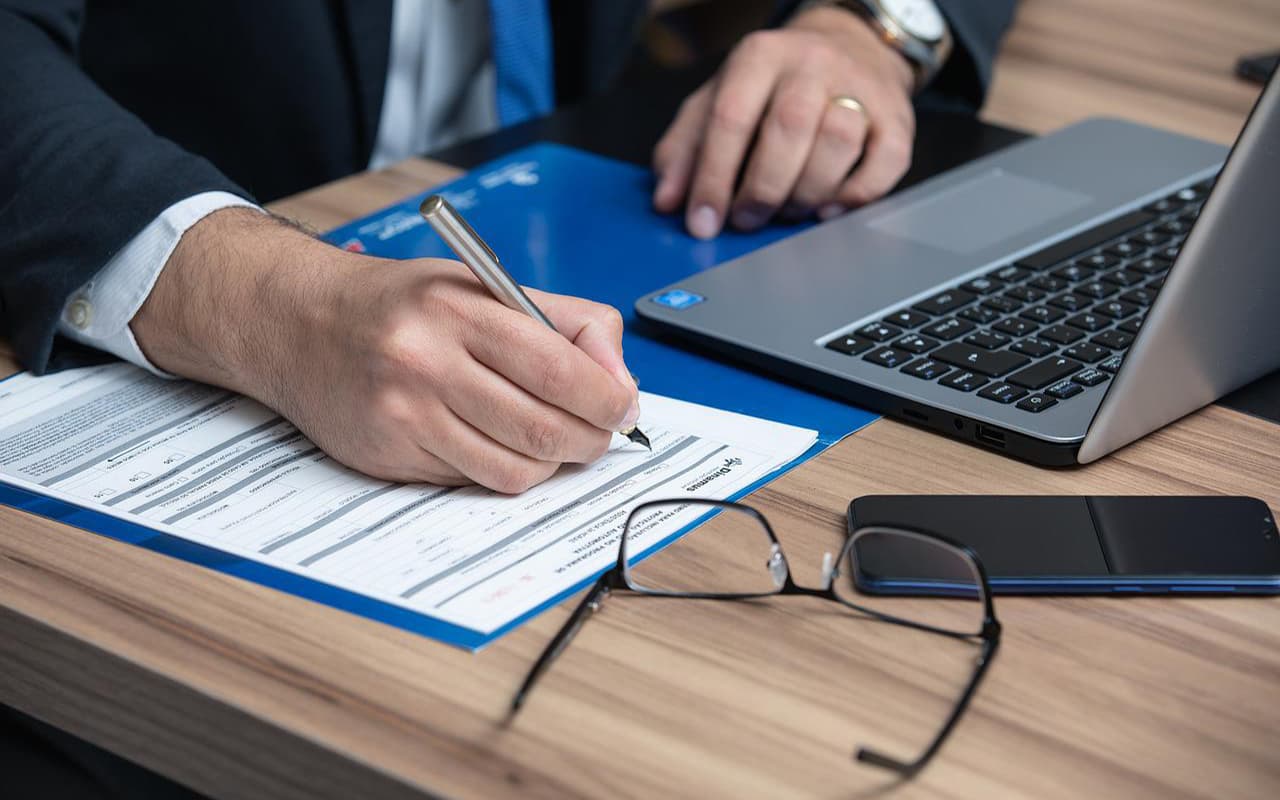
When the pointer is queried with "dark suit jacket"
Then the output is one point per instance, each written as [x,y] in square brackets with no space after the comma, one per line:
[112,110]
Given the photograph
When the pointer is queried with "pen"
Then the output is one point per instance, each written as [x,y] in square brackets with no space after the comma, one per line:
[482,261]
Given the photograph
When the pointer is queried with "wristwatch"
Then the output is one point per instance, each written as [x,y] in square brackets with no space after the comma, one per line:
[915,28]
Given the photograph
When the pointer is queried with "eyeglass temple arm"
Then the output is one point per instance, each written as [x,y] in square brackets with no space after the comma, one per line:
[589,605]
[909,768]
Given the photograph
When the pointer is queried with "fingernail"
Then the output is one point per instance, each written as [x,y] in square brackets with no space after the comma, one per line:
[831,211]
[704,222]
[633,415]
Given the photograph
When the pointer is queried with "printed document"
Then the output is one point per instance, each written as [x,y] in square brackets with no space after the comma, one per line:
[219,469]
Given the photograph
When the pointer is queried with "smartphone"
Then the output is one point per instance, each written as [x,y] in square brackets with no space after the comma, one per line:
[1082,545]
[1257,68]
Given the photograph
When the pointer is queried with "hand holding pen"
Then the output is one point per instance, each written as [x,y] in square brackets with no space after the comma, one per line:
[484,263]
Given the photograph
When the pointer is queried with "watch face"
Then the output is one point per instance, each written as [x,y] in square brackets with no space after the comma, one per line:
[919,18]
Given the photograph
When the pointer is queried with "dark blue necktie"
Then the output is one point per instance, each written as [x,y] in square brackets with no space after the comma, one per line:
[521,32]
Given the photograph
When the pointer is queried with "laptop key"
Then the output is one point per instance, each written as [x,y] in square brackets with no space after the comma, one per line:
[1061,334]
[1088,322]
[1164,205]
[1151,265]
[1156,283]
[1124,277]
[1153,238]
[987,340]
[1070,302]
[1048,283]
[1099,261]
[1168,253]
[983,285]
[888,357]
[1014,326]
[944,302]
[1026,294]
[1036,348]
[915,343]
[993,363]
[1112,364]
[906,318]
[978,314]
[878,331]
[1113,339]
[1036,403]
[1009,274]
[1131,325]
[948,328]
[1141,296]
[1118,309]
[1043,373]
[963,380]
[1073,272]
[926,369]
[1174,227]
[1064,389]
[850,345]
[1089,377]
[1086,351]
[1093,237]
[1002,304]
[1096,289]
[1002,392]
[1127,248]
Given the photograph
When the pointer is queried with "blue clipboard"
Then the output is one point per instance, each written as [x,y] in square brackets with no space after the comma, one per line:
[564,221]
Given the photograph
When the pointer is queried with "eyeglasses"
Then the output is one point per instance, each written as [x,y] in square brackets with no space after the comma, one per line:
[911,579]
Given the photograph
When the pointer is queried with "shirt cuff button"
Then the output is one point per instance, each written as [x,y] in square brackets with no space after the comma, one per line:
[79,313]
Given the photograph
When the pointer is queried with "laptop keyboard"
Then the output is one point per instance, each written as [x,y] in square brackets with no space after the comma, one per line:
[1038,331]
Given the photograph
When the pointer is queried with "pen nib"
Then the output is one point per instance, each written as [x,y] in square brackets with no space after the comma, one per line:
[637,436]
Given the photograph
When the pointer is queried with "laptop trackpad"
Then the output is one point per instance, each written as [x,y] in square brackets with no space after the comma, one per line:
[980,212]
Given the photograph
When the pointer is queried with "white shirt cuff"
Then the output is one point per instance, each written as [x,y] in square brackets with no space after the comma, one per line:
[99,312]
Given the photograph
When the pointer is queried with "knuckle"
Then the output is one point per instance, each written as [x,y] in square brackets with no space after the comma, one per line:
[545,438]
[763,192]
[514,477]
[794,113]
[599,445]
[554,373]
[845,130]
[758,44]
[610,319]
[729,114]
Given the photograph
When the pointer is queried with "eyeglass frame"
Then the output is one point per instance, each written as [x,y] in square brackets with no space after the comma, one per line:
[618,577]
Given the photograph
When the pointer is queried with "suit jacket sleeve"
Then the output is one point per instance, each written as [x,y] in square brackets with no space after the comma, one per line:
[79,175]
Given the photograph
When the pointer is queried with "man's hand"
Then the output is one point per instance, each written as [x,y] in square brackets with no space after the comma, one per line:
[405,370]
[776,90]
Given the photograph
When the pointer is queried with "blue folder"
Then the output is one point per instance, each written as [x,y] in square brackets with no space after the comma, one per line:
[564,221]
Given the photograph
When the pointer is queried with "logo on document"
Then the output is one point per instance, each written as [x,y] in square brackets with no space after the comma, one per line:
[678,299]
[718,472]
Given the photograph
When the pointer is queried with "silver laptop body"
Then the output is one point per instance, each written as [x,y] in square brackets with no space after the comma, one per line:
[997,302]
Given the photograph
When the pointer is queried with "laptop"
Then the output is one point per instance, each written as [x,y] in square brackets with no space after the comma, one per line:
[1053,301]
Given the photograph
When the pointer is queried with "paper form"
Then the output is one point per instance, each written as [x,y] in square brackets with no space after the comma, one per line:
[222,470]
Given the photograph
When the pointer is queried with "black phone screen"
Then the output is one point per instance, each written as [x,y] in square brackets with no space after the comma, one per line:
[1103,537]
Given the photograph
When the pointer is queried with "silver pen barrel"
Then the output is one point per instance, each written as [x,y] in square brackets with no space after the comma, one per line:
[482,261]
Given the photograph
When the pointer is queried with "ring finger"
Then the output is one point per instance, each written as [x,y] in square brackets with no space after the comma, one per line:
[836,149]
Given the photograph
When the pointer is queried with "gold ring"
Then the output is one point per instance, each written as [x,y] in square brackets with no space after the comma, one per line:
[851,103]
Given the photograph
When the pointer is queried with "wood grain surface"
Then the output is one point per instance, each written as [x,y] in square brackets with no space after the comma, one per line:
[241,691]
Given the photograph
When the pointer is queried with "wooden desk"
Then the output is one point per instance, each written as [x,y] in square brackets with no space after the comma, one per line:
[243,692]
